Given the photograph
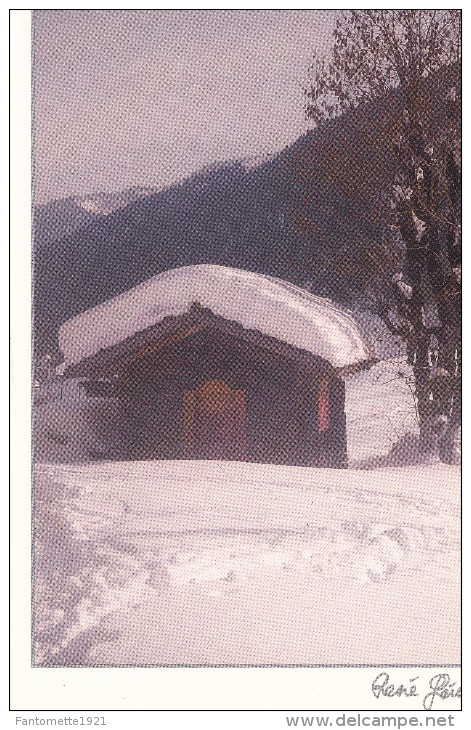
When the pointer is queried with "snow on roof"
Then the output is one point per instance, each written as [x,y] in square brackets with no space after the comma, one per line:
[256,301]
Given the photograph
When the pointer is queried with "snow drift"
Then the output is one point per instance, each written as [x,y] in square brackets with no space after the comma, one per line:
[152,563]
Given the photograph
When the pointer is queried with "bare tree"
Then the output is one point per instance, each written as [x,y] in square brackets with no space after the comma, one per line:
[409,60]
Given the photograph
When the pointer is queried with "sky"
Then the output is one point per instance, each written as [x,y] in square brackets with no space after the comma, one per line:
[147,97]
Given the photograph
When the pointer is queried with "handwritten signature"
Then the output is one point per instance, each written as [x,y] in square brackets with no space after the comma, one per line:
[440,685]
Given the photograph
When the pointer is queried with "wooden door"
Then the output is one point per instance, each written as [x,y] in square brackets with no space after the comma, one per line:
[214,422]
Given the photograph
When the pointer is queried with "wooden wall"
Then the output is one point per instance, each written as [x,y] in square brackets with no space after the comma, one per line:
[294,413]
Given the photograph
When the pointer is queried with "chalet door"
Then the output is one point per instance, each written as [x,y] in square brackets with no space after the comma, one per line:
[324,405]
[214,422]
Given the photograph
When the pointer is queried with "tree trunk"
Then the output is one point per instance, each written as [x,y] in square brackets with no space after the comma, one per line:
[425,407]
[450,445]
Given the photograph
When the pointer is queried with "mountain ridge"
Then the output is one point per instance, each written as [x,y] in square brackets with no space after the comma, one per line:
[285,217]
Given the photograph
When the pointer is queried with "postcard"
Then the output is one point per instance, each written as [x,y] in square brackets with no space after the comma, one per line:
[246,361]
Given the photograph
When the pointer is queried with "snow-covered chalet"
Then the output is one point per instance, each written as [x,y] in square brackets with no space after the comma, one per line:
[210,362]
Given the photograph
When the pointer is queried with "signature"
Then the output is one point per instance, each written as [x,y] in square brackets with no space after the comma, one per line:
[440,685]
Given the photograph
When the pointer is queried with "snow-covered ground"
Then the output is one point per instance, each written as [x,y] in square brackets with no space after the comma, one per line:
[233,563]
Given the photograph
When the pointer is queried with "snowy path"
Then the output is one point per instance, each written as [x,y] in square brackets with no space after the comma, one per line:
[234,563]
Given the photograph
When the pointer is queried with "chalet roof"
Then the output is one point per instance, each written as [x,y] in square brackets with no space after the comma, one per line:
[256,301]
